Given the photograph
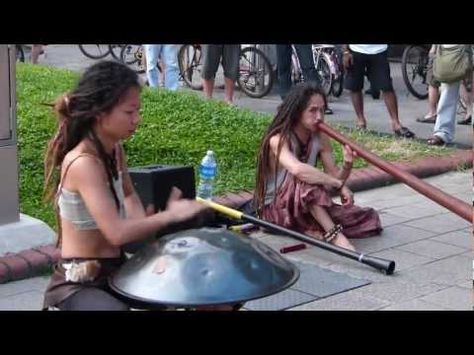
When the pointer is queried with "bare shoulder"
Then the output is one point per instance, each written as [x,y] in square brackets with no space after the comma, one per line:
[81,168]
[275,140]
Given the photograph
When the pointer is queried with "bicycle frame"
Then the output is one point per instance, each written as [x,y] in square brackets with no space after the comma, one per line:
[296,72]
[329,52]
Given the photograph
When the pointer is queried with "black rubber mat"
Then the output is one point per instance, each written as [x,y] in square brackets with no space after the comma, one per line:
[314,283]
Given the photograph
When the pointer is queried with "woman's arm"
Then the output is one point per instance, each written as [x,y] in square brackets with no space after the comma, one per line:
[133,204]
[88,178]
[300,170]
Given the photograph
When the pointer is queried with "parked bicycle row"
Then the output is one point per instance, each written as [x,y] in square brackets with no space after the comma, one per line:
[335,67]
[255,71]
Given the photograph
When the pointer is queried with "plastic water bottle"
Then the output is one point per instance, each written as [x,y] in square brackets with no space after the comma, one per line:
[207,174]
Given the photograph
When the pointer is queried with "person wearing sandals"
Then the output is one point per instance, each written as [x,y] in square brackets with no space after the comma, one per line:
[433,90]
[433,94]
[371,58]
[97,208]
[291,191]
[445,126]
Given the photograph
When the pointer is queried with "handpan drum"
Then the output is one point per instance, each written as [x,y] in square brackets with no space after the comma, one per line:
[207,266]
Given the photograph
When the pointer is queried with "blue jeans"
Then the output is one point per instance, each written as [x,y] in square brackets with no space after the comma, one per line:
[445,125]
[169,55]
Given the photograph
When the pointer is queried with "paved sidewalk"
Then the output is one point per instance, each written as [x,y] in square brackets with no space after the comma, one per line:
[431,247]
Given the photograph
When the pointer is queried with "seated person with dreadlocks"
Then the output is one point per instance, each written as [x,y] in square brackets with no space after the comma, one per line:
[98,209]
[291,191]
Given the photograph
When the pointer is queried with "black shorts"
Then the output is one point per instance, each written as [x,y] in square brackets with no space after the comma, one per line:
[377,68]
[211,57]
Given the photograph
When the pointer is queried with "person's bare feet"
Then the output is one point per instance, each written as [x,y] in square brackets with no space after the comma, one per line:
[361,124]
[340,240]
[343,242]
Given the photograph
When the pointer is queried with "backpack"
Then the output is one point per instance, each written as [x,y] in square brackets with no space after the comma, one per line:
[453,63]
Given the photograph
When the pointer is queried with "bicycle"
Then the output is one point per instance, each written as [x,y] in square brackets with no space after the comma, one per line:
[255,76]
[190,65]
[415,69]
[100,51]
[133,55]
[334,77]
[328,68]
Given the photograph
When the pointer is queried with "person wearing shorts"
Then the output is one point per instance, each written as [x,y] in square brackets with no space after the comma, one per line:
[211,57]
[371,59]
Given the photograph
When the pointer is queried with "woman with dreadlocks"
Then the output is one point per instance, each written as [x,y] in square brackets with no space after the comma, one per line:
[98,209]
[291,191]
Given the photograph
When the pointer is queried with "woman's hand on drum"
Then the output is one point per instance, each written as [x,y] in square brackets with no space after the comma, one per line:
[182,209]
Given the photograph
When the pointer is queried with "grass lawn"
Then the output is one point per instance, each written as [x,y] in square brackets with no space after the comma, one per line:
[177,129]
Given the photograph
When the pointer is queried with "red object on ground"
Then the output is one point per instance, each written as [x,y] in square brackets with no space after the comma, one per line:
[291,248]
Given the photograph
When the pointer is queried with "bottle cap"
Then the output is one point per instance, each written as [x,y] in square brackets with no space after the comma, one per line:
[210,152]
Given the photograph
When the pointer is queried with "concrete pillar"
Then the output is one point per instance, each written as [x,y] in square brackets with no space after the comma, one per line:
[9,208]
[17,231]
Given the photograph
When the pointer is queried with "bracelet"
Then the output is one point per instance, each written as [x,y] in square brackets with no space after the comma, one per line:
[332,233]
[346,52]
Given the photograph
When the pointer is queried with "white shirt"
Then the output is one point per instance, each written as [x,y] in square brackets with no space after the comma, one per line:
[368,48]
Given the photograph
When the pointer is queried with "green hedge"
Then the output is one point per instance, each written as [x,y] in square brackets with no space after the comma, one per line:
[176,129]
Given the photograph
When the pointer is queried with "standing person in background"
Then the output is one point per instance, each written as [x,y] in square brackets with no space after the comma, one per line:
[445,126]
[211,57]
[36,51]
[371,58]
[168,53]
[433,94]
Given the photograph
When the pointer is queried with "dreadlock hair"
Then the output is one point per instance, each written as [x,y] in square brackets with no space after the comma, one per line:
[101,87]
[287,116]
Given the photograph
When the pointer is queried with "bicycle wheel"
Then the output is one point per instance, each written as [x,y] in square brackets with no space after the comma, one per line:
[95,51]
[325,76]
[190,65]
[296,74]
[255,73]
[20,53]
[414,69]
[133,55]
[338,86]
[115,50]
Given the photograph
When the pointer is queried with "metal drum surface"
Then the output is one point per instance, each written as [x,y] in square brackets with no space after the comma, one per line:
[204,266]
